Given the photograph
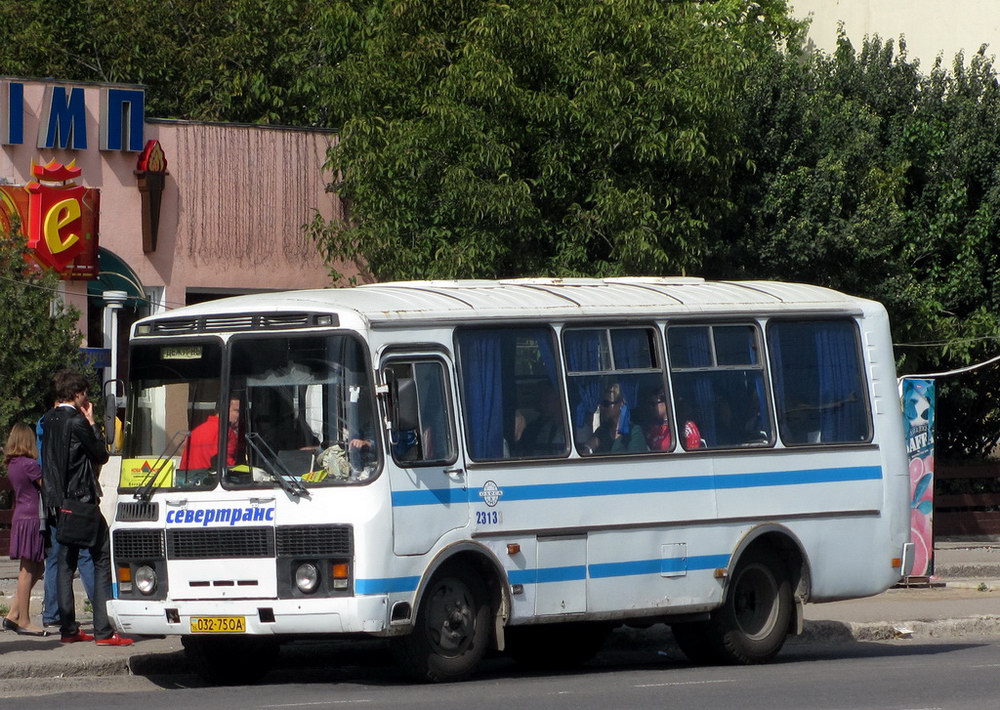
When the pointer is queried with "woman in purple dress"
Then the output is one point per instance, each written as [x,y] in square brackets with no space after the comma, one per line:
[26,540]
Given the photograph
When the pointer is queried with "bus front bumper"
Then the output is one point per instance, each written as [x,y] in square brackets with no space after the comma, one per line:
[263,617]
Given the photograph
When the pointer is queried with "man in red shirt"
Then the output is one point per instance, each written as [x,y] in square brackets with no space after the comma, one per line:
[202,446]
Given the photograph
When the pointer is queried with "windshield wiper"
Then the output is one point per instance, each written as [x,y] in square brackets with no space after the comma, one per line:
[145,491]
[274,468]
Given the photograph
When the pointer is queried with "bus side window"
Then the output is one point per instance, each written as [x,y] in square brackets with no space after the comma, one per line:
[819,382]
[421,411]
[718,384]
[616,391]
[508,379]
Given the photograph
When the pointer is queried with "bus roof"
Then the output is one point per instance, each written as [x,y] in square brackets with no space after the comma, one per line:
[463,300]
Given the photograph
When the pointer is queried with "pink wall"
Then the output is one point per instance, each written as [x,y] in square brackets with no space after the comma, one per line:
[233,208]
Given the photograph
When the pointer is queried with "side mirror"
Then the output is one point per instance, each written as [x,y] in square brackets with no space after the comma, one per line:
[111,412]
[406,413]
[402,411]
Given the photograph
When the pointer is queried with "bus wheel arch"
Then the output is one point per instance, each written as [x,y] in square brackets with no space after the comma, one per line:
[788,549]
[767,573]
[460,607]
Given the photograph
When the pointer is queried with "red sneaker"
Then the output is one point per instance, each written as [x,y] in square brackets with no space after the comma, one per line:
[78,636]
[115,640]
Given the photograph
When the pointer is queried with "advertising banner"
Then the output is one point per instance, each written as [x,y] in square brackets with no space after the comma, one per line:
[59,218]
[918,413]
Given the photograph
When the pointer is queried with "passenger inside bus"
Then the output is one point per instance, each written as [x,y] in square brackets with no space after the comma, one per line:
[615,432]
[541,431]
[656,422]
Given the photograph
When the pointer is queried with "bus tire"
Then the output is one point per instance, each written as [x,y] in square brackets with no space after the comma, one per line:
[555,646]
[452,628]
[230,661]
[752,623]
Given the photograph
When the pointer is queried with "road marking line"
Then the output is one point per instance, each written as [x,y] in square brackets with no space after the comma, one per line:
[318,702]
[684,682]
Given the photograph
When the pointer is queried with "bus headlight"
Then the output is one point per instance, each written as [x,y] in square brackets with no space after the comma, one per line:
[307,577]
[145,579]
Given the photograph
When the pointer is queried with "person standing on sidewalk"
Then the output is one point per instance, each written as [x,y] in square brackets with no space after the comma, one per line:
[72,451]
[26,541]
[85,565]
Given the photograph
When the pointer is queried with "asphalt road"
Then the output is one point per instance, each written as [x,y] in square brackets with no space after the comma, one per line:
[897,675]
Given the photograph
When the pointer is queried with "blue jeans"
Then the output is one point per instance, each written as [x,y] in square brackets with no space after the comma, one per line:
[50,610]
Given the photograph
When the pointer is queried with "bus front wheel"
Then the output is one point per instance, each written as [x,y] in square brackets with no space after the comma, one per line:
[452,628]
[752,623]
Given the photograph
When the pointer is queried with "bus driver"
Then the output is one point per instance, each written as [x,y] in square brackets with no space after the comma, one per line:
[202,448]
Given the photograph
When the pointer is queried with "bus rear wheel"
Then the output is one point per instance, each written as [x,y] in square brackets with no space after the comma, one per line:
[451,631]
[753,621]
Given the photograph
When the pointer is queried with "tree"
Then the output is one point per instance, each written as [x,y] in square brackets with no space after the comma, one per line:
[252,61]
[39,335]
[559,137]
[876,179]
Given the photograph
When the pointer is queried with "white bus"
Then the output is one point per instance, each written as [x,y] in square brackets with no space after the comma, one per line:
[519,465]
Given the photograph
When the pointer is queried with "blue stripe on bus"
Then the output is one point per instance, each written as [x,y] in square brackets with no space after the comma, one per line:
[657,566]
[547,574]
[548,491]
[386,585]
[569,573]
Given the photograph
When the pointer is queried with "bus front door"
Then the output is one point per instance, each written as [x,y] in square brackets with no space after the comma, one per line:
[426,466]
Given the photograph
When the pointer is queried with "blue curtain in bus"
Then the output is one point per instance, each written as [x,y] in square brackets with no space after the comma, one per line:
[695,391]
[632,352]
[839,398]
[548,356]
[583,355]
[791,345]
[482,377]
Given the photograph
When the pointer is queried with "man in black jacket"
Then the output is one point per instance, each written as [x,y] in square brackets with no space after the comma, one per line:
[72,452]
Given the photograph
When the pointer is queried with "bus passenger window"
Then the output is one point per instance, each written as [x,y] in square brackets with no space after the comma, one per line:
[719,388]
[510,390]
[819,383]
[615,390]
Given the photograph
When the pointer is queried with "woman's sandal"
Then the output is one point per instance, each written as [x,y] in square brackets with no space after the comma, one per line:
[28,632]
[9,625]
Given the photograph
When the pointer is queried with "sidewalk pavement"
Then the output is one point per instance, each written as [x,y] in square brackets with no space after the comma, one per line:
[961,601]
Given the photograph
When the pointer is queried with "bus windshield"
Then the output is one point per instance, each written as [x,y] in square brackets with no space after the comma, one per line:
[297,413]
[174,388]
[309,411]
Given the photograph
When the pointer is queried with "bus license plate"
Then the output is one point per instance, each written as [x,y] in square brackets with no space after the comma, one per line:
[218,624]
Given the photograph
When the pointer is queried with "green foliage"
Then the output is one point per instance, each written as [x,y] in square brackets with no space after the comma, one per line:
[39,336]
[873,178]
[484,139]
[253,61]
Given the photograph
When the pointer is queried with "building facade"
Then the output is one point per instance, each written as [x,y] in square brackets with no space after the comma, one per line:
[930,28]
[180,212]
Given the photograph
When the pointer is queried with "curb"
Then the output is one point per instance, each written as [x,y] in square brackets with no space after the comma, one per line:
[144,664]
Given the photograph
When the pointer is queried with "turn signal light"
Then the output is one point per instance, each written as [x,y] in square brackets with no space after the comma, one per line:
[340,570]
[124,574]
